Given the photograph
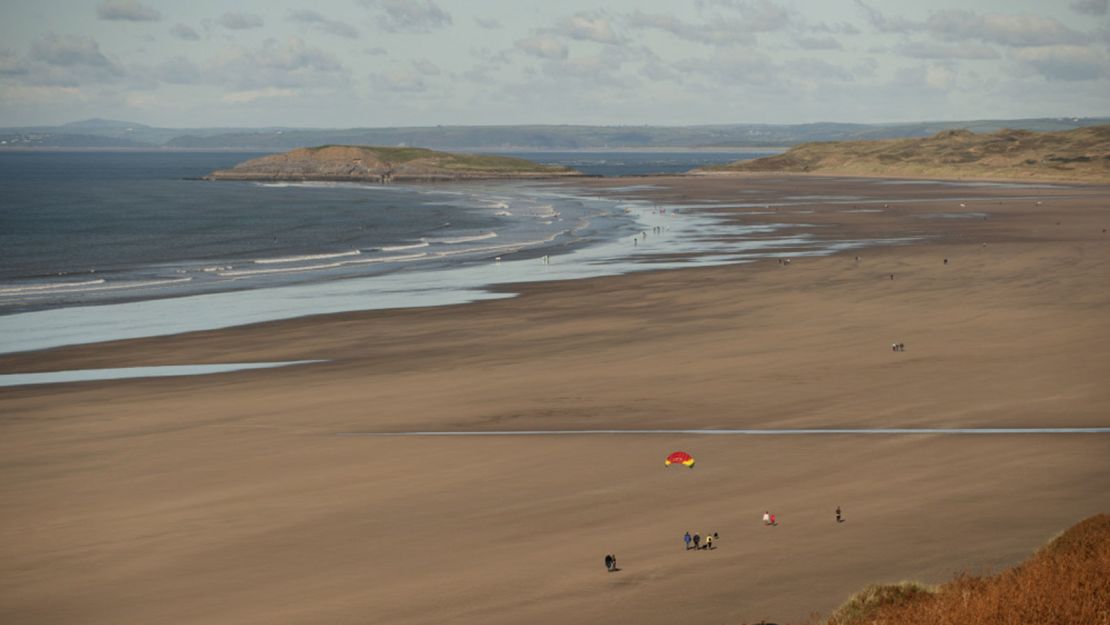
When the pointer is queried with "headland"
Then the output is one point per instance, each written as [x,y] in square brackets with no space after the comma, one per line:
[1079,155]
[357,163]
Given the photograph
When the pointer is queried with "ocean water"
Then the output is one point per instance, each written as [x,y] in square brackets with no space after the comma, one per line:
[94,228]
[98,246]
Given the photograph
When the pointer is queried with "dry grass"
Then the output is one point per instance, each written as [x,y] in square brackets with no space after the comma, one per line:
[1080,154]
[1066,582]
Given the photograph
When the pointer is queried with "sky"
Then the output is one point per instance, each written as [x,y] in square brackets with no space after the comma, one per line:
[375,63]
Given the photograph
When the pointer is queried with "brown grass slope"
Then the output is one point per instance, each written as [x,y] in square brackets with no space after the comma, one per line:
[1067,581]
[1080,154]
[360,163]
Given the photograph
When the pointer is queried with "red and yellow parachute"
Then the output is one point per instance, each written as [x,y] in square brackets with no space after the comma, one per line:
[680,457]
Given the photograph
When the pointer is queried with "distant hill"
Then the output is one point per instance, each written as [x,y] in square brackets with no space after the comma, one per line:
[494,138]
[1082,154]
[379,164]
[102,124]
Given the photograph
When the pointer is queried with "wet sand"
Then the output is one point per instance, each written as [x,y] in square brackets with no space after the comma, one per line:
[230,498]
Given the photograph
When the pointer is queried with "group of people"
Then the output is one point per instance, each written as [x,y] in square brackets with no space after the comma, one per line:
[898,347]
[694,542]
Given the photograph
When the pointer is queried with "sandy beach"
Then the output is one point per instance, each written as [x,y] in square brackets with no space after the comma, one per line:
[238,499]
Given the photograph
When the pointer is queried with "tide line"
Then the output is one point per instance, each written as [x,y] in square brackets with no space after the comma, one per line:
[748,432]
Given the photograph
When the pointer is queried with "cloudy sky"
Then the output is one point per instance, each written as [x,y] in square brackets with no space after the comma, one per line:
[344,63]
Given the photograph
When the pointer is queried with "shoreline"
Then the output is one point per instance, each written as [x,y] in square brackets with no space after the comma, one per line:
[675,241]
[469,292]
[231,498]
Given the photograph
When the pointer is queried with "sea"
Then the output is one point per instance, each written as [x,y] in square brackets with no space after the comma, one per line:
[98,246]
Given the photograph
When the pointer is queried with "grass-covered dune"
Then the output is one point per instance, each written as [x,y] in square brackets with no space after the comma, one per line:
[1066,581]
[360,163]
[1082,154]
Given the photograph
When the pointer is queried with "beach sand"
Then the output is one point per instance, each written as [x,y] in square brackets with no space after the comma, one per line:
[233,498]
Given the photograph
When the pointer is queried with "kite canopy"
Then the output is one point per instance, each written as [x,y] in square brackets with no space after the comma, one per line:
[680,457]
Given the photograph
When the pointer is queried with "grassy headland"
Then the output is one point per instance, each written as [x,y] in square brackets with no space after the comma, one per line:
[381,164]
[1082,154]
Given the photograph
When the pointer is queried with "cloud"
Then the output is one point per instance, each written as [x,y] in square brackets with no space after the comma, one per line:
[126,11]
[885,24]
[745,68]
[940,76]
[585,27]
[543,46]
[1090,7]
[1010,30]
[69,51]
[933,50]
[812,69]
[487,23]
[426,67]
[250,95]
[40,94]
[178,71]
[291,64]
[11,65]
[590,69]
[656,71]
[69,61]
[324,24]
[398,80]
[409,16]
[839,28]
[818,43]
[763,16]
[240,21]
[996,28]
[718,32]
[181,31]
[1068,63]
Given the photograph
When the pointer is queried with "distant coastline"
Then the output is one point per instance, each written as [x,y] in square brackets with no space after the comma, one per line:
[128,134]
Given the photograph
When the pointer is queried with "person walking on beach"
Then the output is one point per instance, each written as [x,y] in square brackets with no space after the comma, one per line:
[686,539]
[839,518]
[610,562]
[773,521]
[697,541]
[708,542]
[767,518]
